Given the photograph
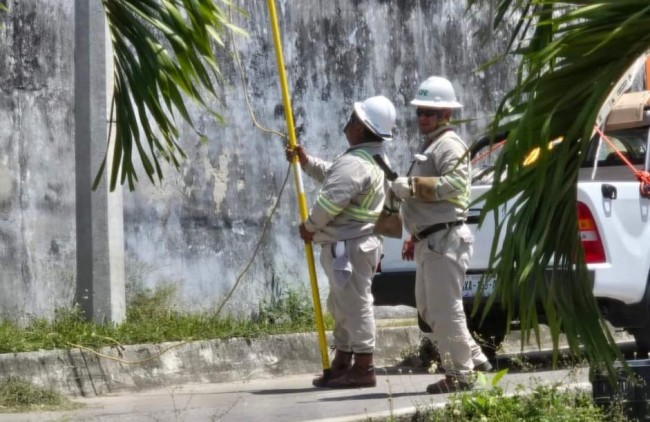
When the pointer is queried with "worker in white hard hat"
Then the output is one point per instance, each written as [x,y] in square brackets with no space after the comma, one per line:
[435,196]
[342,221]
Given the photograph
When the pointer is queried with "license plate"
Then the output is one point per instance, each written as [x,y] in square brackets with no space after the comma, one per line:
[471,285]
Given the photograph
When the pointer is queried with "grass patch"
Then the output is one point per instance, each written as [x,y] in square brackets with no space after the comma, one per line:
[151,318]
[18,395]
[544,403]
[424,355]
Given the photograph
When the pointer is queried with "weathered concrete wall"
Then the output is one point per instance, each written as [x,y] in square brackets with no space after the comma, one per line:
[199,228]
[37,241]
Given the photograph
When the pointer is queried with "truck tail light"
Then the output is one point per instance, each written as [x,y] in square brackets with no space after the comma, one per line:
[591,243]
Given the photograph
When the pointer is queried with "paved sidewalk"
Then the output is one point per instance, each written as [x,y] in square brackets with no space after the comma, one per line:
[282,399]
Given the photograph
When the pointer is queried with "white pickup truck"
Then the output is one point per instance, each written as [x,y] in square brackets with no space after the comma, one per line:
[613,215]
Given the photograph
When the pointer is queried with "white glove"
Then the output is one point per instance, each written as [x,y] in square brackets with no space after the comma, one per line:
[402,187]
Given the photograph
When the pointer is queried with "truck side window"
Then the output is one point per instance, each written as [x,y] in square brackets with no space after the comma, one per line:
[631,143]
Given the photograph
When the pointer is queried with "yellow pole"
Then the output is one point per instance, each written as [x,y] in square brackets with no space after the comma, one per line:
[300,189]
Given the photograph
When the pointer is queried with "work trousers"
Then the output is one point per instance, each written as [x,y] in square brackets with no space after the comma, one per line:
[350,301]
[442,260]
[478,357]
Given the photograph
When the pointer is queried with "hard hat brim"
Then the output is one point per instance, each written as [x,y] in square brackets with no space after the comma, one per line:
[436,104]
[363,118]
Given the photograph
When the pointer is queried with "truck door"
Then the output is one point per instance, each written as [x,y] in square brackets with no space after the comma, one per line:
[610,191]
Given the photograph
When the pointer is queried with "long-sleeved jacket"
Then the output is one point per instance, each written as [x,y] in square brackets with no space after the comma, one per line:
[440,156]
[351,197]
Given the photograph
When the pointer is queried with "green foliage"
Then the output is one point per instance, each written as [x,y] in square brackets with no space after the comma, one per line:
[545,403]
[163,53]
[571,54]
[151,318]
[424,355]
[17,394]
[145,304]
[292,307]
[484,380]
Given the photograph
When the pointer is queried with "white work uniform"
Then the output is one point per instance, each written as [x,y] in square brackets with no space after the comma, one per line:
[343,219]
[442,257]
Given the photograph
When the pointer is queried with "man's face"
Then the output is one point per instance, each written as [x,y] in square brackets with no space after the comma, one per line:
[428,119]
[353,130]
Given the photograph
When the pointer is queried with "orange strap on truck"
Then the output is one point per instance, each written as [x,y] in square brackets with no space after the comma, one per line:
[493,148]
[641,175]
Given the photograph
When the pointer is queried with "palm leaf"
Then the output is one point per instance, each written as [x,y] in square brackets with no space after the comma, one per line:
[163,54]
[570,58]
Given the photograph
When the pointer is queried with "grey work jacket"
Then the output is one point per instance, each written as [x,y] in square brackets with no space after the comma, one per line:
[442,154]
[351,197]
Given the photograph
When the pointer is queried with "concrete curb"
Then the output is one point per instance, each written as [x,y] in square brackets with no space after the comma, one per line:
[79,372]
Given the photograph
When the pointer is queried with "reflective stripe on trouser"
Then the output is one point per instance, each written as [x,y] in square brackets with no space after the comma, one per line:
[442,260]
[351,303]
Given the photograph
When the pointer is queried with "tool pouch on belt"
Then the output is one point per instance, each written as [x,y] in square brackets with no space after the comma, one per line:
[389,224]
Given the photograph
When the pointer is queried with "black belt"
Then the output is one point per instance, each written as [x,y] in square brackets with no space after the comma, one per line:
[436,228]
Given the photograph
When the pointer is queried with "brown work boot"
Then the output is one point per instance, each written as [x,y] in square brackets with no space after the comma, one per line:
[362,374]
[448,385]
[341,363]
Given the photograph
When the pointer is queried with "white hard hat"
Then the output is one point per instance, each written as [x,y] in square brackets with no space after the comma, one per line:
[378,115]
[436,92]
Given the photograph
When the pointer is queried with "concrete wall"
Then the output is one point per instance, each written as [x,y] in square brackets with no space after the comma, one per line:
[198,229]
[37,225]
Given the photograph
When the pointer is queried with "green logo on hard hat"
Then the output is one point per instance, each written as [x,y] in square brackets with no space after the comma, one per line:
[423,92]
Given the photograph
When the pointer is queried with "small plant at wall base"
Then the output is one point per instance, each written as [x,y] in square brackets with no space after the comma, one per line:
[144,303]
[292,307]
[19,395]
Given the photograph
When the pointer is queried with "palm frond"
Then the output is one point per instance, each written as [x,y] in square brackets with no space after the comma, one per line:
[570,59]
[163,55]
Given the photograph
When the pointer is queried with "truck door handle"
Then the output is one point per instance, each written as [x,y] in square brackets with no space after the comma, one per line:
[608,191]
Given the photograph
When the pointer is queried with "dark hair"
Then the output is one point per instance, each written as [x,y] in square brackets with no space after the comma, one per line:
[368,135]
